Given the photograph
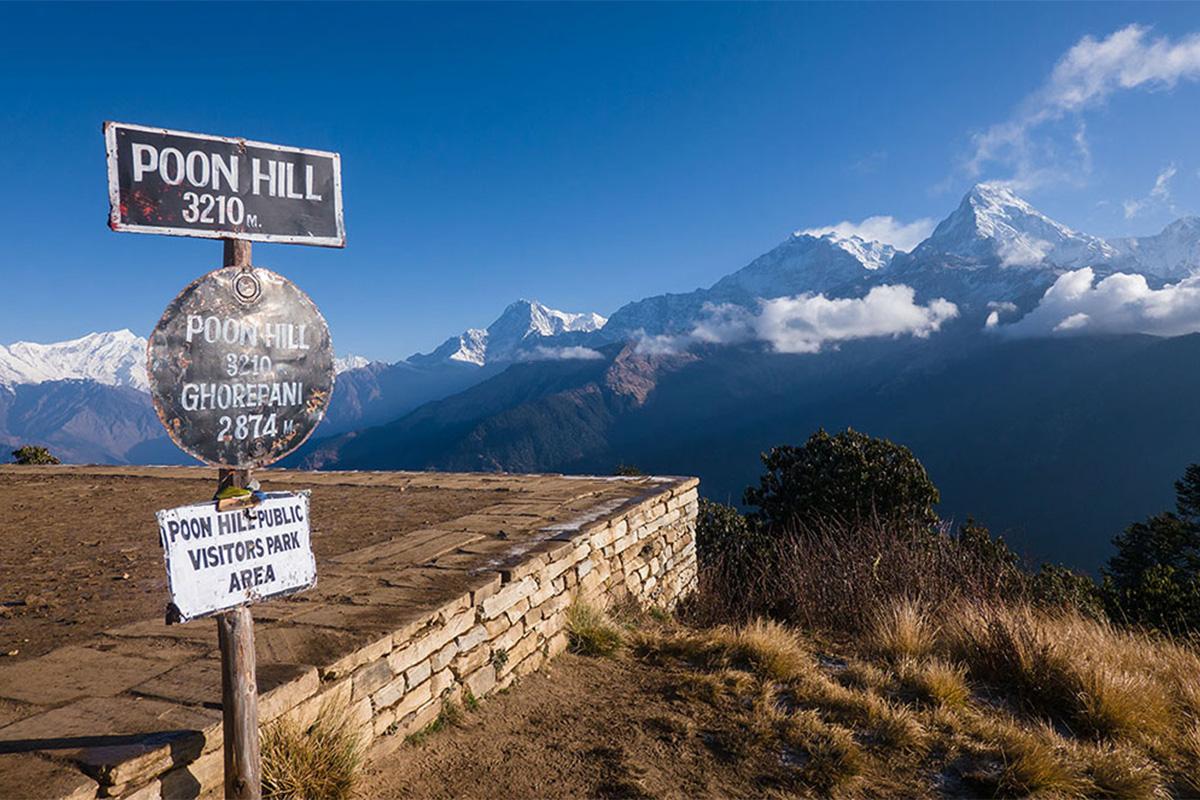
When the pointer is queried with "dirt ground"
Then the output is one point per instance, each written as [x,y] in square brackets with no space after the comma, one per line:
[79,553]
[582,727]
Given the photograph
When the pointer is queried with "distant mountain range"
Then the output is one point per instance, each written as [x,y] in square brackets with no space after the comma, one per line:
[1043,374]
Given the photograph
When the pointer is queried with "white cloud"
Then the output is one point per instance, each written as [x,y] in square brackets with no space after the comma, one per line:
[889,230]
[806,323]
[1085,77]
[996,309]
[542,353]
[1022,251]
[1120,303]
[1159,194]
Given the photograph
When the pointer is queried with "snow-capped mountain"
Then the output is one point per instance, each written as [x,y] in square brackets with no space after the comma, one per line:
[993,249]
[993,226]
[521,325]
[830,264]
[347,363]
[871,254]
[1172,254]
[115,358]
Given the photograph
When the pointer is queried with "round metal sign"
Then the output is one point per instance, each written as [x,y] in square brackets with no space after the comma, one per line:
[241,368]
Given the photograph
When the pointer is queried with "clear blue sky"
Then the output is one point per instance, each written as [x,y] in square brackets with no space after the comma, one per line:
[583,155]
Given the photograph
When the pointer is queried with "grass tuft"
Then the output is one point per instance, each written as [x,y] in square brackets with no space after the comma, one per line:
[317,763]
[938,683]
[1115,704]
[834,758]
[591,633]
[770,649]
[1034,765]
[901,631]
[1124,774]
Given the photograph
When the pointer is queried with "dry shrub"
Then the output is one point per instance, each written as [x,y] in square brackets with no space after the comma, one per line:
[937,682]
[1010,650]
[1101,681]
[769,648]
[902,630]
[320,762]
[715,687]
[1113,703]
[1124,774]
[1189,758]
[590,632]
[864,675]
[766,648]
[1037,762]
[894,725]
[825,576]
[834,758]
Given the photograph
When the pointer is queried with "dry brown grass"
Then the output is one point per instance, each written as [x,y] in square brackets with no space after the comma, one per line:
[590,631]
[1124,774]
[1037,762]
[320,762]
[937,682]
[901,631]
[1003,701]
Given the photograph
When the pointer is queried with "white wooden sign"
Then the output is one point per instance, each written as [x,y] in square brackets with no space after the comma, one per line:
[220,559]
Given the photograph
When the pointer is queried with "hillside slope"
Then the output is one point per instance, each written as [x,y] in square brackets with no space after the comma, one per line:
[1059,443]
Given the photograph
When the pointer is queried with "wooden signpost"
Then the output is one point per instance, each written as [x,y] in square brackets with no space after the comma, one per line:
[241,372]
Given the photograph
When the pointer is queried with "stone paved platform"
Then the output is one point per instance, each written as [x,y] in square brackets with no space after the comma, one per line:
[392,630]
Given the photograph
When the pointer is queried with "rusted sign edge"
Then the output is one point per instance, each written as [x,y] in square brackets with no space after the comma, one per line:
[114,190]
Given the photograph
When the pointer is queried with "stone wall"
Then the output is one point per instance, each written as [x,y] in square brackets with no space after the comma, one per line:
[499,613]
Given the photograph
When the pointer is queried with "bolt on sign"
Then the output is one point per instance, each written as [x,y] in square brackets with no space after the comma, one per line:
[191,184]
[241,368]
[220,559]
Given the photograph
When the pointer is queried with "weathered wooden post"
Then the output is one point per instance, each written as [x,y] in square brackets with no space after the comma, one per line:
[235,634]
[241,372]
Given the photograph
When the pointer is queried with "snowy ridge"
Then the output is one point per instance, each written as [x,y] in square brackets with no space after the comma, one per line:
[1172,254]
[521,325]
[116,358]
[347,363]
[871,254]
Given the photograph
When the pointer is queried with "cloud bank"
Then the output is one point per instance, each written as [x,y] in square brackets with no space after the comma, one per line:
[543,353]
[889,230]
[1086,76]
[1120,303]
[806,323]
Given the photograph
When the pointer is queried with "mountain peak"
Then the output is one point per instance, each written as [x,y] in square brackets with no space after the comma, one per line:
[993,225]
[871,253]
[500,341]
[1171,254]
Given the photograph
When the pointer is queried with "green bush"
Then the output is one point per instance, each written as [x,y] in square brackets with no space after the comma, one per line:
[723,533]
[32,454]
[1154,577]
[1055,586]
[848,478]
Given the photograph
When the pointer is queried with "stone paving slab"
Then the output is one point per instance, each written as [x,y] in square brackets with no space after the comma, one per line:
[70,673]
[27,775]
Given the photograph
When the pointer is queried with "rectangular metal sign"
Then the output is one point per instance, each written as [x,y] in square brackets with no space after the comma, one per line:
[220,559]
[192,184]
